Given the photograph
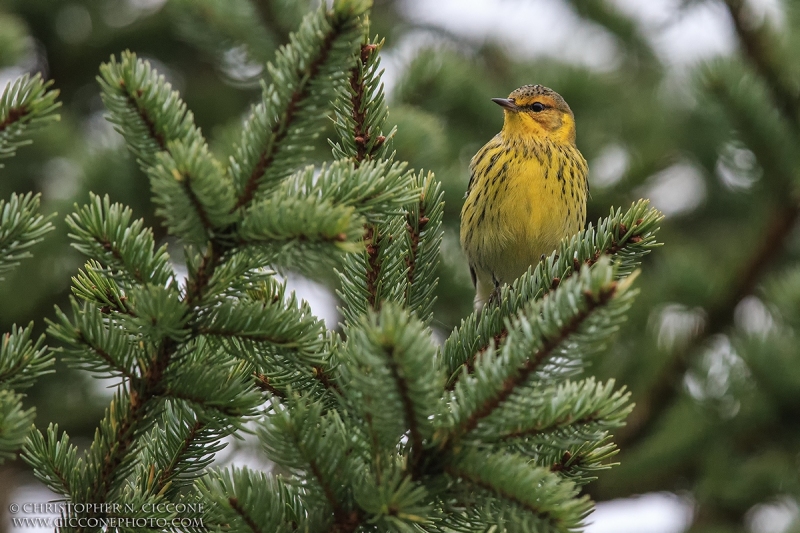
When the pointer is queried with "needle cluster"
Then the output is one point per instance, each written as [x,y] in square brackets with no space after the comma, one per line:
[373,426]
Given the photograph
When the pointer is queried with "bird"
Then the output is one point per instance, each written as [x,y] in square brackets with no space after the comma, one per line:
[527,190]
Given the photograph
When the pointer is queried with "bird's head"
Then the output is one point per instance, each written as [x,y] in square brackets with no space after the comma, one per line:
[538,112]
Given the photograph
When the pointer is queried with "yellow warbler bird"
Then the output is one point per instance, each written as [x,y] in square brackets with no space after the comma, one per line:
[527,190]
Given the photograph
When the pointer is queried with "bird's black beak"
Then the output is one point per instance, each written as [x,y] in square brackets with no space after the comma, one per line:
[505,103]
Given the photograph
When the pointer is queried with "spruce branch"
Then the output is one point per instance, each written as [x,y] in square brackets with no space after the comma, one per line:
[316,229]
[179,449]
[202,270]
[376,275]
[125,249]
[389,380]
[374,265]
[264,383]
[546,342]
[394,248]
[160,314]
[319,213]
[279,323]
[314,446]
[573,411]
[110,459]
[306,364]
[280,375]
[191,192]
[92,344]
[194,435]
[579,463]
[15,423]
[289,347]
[536,500]
[27,104]
[423,240]
[306,74]
[626,237]
[21,226]
[239,273]
[54,460]
[93,285]
[377,190]
[203,406]
[211,393]
[361,422]
[361,113]
[144,108]
[22,359]
[396,503]
[246,500]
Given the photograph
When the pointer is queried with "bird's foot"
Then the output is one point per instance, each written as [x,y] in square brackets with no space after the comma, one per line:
[494,296]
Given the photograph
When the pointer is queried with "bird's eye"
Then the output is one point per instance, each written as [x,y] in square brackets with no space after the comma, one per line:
[537,107]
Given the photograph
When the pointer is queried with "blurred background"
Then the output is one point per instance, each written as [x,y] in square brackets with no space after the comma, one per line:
[692,103]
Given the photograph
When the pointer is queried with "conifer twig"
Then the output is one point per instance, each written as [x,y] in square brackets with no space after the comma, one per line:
[459,473]
[423,238]
[26,103]
[362,133]
[187,182]
[21,226]
[262,382]
[362,136]
[534,362]
[281,124]
[141,392]
[186,443]
[244,515]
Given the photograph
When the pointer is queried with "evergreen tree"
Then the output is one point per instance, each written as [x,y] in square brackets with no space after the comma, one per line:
[26,103]
[374,427]
[707,348]
[700,353]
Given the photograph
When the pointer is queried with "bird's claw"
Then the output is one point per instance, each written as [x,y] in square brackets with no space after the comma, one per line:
[494,296]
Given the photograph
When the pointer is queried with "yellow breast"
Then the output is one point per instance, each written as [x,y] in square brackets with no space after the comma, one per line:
[525,195]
